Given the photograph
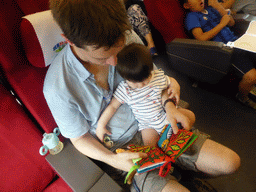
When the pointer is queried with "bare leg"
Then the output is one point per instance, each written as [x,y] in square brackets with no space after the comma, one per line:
[215,159]
[247,82]
[149,137]
[149,40]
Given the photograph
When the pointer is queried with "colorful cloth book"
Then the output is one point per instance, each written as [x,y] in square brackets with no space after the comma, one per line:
[177,143]
[156,158]
[161,156]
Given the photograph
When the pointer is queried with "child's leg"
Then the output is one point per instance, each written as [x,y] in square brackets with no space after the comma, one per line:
[247,82]
[243,62]
[245,86]
[150,137]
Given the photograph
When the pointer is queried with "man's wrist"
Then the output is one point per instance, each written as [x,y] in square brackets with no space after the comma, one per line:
[172,100]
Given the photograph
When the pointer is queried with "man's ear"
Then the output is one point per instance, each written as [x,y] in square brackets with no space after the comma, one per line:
[66,39]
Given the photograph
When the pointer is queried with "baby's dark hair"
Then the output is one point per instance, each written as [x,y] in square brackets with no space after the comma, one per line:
[134,62]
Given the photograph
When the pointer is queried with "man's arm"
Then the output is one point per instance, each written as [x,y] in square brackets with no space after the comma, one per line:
[174,116]
[105,117]
[92,148]
[173,89]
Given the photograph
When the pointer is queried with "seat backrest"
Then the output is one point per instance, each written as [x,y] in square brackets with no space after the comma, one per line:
[25,79]
[185,55]
[32,6]
[167,16]
[41,37]
[31,42]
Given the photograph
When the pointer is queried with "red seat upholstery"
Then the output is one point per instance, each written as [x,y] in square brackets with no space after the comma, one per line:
[167,16]
[25,79]
[22,167]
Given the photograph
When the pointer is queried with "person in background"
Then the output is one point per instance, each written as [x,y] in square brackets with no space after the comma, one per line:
[212,23]
[244,6]
[140,23]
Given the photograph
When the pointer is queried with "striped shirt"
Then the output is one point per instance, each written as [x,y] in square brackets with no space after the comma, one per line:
[146,102]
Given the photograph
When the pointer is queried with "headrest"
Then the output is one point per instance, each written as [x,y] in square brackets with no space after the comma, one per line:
[41,38]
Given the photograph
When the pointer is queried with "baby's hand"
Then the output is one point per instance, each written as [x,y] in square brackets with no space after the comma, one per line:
[101,131]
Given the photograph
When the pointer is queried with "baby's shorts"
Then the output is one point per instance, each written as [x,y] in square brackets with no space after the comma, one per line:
[152,182]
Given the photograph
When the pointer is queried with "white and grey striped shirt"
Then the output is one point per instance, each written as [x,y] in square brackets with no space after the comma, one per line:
[146,102]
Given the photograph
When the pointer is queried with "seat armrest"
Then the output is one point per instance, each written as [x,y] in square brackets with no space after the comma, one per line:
[196,43]
[206,61]
[80,172]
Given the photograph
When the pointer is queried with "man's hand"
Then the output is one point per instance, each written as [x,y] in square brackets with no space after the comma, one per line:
[92,148]
[123,160]
[174,117]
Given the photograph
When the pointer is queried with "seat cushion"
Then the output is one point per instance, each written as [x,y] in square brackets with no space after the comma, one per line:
[167,17]
[58,186]
[22,167]
[25,79]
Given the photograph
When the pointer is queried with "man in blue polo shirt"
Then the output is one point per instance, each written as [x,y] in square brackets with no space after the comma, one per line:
[81,80]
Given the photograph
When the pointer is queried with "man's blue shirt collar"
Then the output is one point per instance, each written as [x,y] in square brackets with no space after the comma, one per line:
[77,65]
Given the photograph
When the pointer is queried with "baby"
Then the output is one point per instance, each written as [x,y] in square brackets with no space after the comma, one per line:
[142,91]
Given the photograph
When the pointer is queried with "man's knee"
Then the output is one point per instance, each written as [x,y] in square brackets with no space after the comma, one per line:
[232,163]
[250,76]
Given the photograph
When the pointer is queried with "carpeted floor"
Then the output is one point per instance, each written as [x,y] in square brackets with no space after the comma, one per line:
[228,122]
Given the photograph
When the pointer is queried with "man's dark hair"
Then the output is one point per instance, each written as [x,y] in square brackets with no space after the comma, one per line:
[134,62]
[91,22]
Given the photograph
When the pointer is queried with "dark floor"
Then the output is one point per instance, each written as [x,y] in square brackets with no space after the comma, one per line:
[228,122]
